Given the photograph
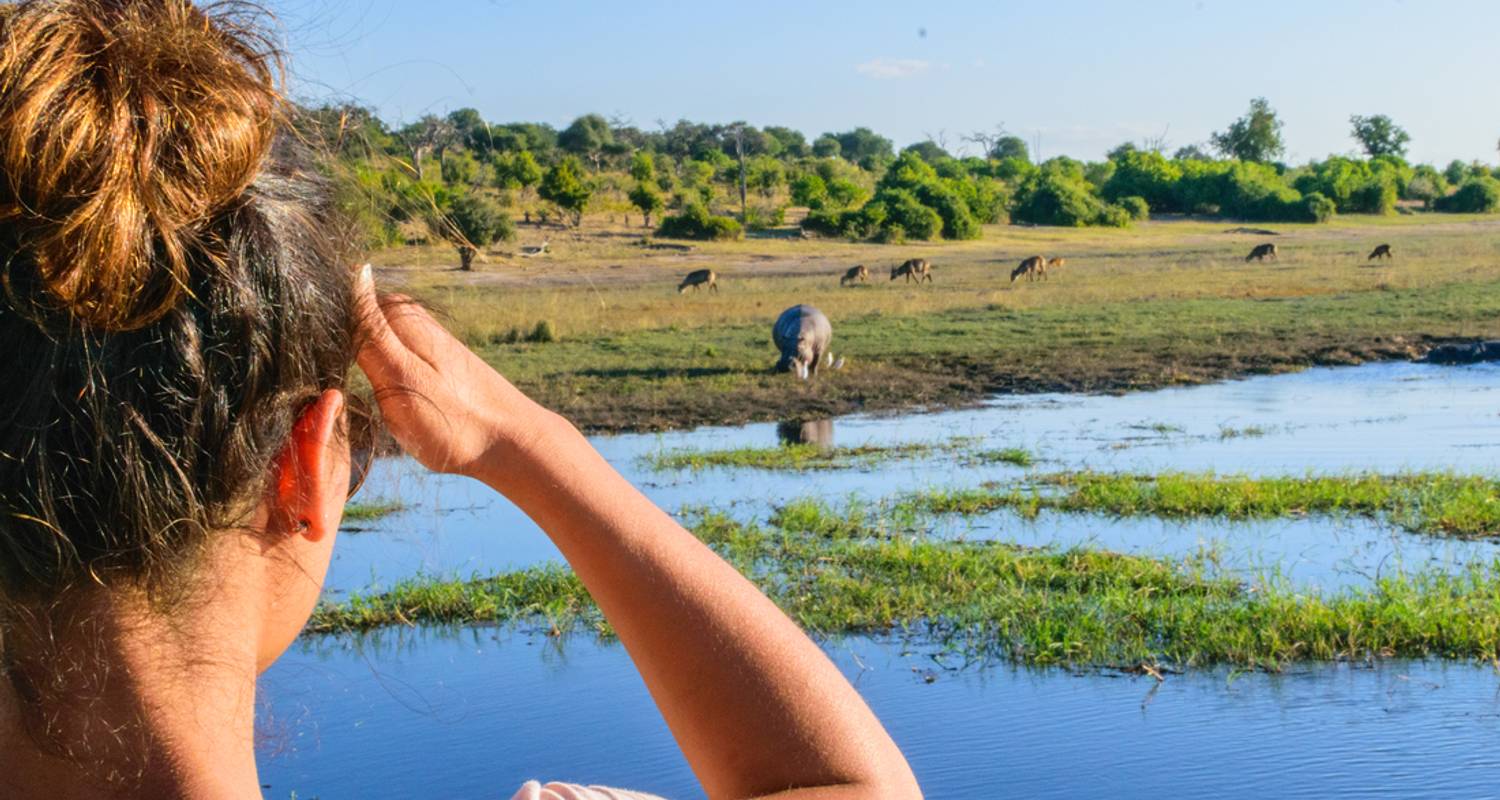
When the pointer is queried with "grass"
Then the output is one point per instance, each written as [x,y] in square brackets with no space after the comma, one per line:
[845,573]
[1164,303]
[1456,505]
[370,510]
[800,457]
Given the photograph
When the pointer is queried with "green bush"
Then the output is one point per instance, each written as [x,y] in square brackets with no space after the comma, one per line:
[1060,195]
[903,209]
[694,222]
[759,219]
[1147,175]
[809,190]
[1479,195]
[1136,206]
[826,222]
[1319,207]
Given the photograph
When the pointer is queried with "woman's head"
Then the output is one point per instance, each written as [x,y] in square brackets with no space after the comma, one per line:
[175,295]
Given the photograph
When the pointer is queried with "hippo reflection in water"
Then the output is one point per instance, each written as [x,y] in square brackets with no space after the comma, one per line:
[810,431]
[803,336]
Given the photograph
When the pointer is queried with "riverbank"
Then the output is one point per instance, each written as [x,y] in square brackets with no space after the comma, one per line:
[1166,304]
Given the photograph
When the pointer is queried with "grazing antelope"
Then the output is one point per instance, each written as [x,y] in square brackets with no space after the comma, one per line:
[857,273]
[1262,252]
[1032,268]
[803,335]
[697,278]
[916,269]
[1381,251]
[1055,263]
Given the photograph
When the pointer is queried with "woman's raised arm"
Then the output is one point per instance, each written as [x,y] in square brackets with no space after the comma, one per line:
[756,706]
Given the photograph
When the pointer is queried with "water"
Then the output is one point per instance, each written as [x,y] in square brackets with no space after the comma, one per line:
[475,712]
[1380,417]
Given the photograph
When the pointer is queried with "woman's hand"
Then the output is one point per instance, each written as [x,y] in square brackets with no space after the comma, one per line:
[445,406]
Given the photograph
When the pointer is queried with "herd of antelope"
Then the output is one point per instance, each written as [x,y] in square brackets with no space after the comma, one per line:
[804,335]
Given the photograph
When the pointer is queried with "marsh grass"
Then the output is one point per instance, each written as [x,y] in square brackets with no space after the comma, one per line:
[370,510]
[841,572]
[800,457]
[1464,506]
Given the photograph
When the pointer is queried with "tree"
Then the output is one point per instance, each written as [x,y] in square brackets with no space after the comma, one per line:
[643,167]
[1253,137]
[517,170]
[1191,152]
[1379,136]
[863,143]
[826,146]
[427,135]
[473,222]
[647,199]
[1010,147]
[565,187]
[588,136]
[470,130]
[793,143]
[928,151]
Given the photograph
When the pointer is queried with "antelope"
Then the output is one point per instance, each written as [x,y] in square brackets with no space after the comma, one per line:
[1055,263]
[697,278]
[1032,268]
[1262,252]
[803,335]
[856,273]
[1381,251]
[916,269]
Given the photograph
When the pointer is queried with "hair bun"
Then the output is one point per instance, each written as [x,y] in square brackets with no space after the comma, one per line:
[125,126]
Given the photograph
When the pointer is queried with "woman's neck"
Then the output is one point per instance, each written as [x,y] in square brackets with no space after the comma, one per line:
[109,699]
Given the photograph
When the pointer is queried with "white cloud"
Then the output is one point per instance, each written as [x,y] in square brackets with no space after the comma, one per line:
[891,68]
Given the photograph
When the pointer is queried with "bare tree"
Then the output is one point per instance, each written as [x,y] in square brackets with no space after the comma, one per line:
[1156,144]
[987,140]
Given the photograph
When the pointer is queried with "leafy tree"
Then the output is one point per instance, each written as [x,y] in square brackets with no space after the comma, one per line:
[461,169]
[810,191]
[1010,147]
[1146,175]
[862,143]
[793,143]
[645,197]
[1378,135]
[826,146]
[470,130]
[517,170]
[1426,184]
[643,167]
[589,136]
[565,187]
[1253,137]
[1191,152]
[1122,150]
[928,151]
[473,222]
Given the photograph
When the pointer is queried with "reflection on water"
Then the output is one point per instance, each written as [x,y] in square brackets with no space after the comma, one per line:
[476,713]
[816,431]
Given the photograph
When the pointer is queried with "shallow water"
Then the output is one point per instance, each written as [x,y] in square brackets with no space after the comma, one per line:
[476,713]
[1378,417]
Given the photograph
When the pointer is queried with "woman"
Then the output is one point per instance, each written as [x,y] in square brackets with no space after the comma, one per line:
[175,441]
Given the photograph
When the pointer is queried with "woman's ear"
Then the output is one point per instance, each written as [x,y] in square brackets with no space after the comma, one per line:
[312,480]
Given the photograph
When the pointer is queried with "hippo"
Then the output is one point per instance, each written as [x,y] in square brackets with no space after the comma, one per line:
[803,336]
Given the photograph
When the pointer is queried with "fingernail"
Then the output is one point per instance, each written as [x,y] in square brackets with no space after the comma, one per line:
[366,276]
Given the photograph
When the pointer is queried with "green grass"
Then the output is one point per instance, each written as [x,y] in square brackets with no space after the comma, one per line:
[1166,303]
[838,573]
[801,457]
[1457,505]
[369,510]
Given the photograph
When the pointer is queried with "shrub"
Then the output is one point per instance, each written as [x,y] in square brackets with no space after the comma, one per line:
[916,220]
[1319,207]
[1136,206]
[565,187]
[645,197]
[1476,196]
[809,190]
[1147,175]
[826,222]
[1059,195]
[694,222]
[759,219]
[473,222]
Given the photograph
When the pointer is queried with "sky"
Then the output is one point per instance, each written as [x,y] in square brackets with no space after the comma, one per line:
[1077,77]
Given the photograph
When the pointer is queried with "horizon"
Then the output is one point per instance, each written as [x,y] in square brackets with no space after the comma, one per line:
[629,62]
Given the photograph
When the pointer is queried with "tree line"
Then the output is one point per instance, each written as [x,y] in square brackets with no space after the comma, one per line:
[465,180]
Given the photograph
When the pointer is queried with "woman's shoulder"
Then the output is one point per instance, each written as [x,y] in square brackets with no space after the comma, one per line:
[535,790]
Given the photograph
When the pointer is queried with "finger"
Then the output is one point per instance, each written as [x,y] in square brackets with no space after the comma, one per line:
[382,355]
[422,334]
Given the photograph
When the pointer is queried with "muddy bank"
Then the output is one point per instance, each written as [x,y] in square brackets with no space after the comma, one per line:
[677,399]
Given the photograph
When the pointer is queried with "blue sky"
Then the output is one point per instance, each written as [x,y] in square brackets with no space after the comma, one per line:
[1080,76]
